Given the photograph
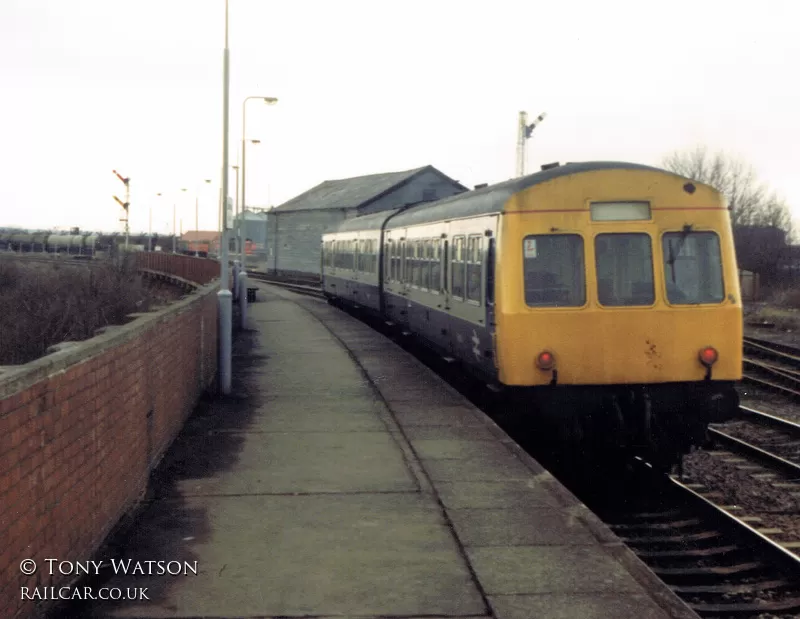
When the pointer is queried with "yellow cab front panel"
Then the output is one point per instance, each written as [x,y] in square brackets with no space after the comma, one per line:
[624,276]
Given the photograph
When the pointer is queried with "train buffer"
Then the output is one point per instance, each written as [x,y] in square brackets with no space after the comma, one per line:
[312,495]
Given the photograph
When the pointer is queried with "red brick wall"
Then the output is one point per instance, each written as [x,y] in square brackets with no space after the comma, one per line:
[199,270]
[76,444]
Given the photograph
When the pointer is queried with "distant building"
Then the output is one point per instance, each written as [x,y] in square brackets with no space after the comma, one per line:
[295,228]
[206,241]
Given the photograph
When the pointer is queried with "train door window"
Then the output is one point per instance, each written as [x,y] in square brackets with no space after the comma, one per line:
[445,264]
[624,265]
[436,266]
[692,268]
[351,254]
[426,264]
[474,266]
[412,262]
[553,270]
[490,273]
[457,268]
[402,270]
[420,262]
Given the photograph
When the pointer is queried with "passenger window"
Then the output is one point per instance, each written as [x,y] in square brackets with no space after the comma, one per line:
[554,270]
[624,269]
[474,268]
[457,268]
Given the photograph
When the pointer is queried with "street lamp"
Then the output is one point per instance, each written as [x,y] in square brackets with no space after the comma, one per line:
[242,283]
[240,211]
[197,219]
[150,227]
[268,101]
[224,297]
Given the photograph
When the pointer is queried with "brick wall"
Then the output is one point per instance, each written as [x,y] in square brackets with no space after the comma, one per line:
[198,270]
[80,430]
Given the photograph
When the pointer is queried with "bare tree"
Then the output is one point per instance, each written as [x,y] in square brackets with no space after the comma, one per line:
[748,199]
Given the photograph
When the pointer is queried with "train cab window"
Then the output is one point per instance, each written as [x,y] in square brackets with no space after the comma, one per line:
[692,268]
[624,269]
[457,268]
[554,270]
[436,266]
[474,260]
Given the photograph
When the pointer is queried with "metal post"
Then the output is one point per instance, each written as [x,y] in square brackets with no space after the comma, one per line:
[173,227]
[150,231]
[224,294]
[127,211]
[241,289]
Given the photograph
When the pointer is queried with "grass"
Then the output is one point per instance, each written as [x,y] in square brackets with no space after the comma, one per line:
[45,304]
[782,309]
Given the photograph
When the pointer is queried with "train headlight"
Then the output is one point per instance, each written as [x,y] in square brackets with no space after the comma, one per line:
[546,360]
[708,356]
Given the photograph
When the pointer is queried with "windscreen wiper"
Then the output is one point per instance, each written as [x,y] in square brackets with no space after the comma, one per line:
[687,230]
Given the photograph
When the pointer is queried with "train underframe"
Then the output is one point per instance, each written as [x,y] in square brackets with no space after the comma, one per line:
[603,425]
[609,424]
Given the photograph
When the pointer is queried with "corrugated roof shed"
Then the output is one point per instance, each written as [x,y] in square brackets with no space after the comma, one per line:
[350,192]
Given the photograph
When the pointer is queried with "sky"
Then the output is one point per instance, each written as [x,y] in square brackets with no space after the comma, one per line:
[91,86]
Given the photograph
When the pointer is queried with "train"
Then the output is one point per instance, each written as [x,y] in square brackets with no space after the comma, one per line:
[602,297]
[79,244]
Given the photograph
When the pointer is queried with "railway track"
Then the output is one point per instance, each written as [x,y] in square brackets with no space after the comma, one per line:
[772,366]
[298,285]
[721,563]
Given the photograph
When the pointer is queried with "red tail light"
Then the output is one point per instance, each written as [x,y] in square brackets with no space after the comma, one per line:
[545,360]
[708,356]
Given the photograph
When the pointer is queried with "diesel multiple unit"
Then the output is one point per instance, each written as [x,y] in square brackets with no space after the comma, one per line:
[604,295]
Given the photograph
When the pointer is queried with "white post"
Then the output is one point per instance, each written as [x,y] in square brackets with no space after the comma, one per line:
[243,298]
[224,294]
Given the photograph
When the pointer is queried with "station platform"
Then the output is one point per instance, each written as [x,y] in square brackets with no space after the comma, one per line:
[345,479]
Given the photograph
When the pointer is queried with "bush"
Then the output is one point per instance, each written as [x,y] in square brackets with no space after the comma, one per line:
[45,304]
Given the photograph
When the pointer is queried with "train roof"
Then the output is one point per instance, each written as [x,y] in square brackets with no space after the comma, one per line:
[492,198]
[373,221]
[480,201]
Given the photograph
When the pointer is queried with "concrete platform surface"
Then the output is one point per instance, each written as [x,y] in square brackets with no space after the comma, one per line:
[344,479]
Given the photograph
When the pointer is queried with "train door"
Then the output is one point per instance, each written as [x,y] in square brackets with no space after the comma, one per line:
[439,323]
[403,286]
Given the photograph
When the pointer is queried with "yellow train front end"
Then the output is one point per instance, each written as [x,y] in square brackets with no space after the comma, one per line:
[618,295]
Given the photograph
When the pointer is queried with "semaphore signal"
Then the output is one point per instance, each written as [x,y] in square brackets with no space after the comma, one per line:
[125,205]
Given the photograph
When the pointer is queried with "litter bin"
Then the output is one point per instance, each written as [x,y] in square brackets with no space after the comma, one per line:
[251,295]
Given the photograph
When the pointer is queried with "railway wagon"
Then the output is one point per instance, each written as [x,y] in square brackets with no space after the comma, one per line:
[603,295]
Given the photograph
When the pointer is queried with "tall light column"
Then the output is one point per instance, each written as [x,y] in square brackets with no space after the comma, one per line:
[224,295]
[268,101]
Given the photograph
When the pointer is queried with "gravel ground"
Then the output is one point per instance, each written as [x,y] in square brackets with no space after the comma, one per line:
[754,496]
[768,402]
[790,338]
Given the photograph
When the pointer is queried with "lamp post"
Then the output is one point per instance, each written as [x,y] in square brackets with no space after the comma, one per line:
[224,295]
[197,219]
[268,101]
[243,275]
[158,195]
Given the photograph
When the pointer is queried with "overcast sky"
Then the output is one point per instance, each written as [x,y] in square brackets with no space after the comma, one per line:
[368,87]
